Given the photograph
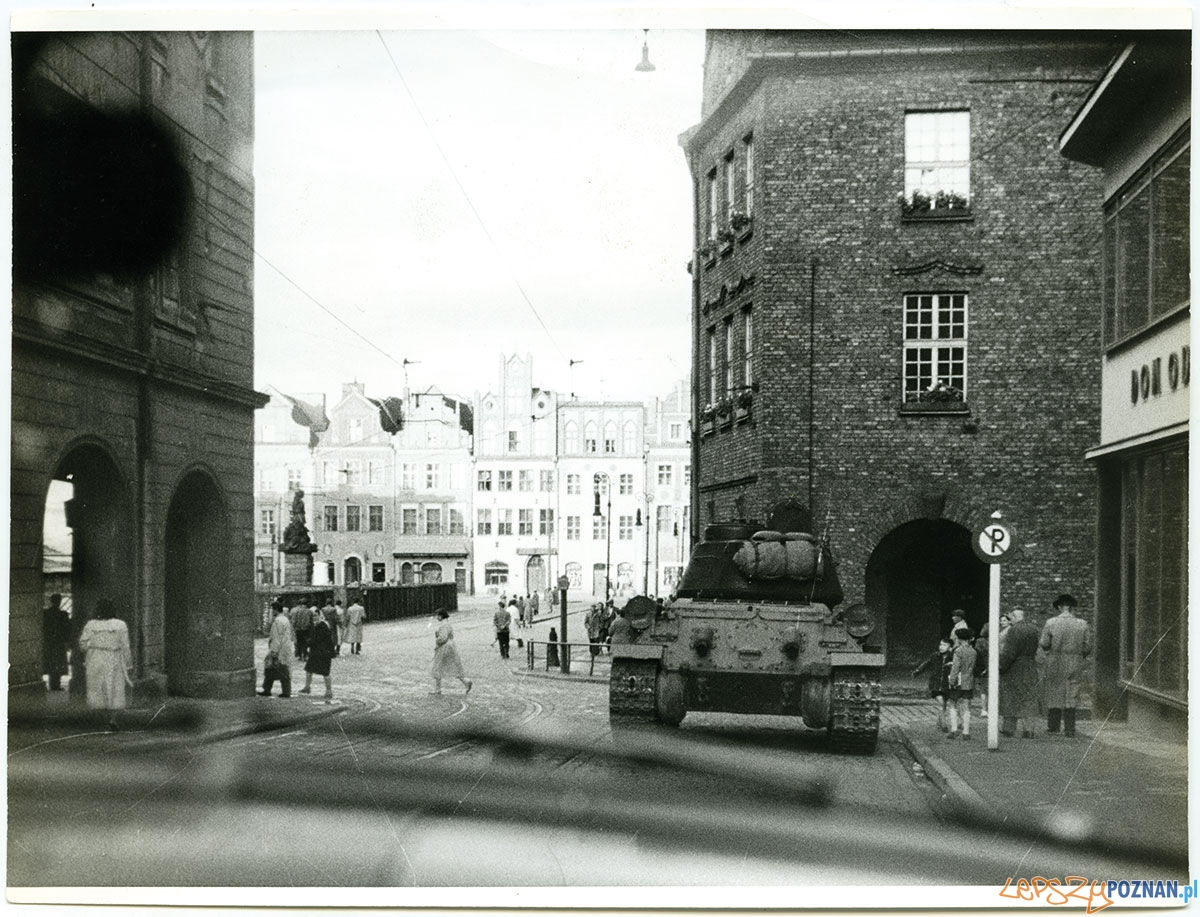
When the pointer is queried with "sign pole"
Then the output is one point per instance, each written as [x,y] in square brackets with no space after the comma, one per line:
[564,661]
[993,660]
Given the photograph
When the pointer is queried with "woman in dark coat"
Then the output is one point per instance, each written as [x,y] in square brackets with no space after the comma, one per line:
[320,657]
[1018,675]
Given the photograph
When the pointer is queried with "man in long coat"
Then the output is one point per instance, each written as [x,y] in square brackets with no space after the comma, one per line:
[1018,675]
[1067,642]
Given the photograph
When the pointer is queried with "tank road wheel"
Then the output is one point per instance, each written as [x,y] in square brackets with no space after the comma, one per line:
[631,692]
[854,717]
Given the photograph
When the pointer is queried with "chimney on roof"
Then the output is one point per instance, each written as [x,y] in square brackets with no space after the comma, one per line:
[349,387]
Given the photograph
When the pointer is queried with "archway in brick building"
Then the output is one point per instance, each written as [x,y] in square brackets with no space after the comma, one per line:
[197,569]
[93,527]
[917,575]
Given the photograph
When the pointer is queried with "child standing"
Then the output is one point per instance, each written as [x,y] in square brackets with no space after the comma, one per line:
[962,681]
[939,679]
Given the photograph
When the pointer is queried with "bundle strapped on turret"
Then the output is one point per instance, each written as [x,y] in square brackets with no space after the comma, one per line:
[775,555]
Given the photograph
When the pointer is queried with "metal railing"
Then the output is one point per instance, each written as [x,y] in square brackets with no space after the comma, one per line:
[554,655]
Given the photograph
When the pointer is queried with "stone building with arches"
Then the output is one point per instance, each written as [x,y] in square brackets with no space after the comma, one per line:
[132,373]
[893,309]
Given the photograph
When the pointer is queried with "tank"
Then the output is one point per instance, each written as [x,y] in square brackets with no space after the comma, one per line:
[754,628]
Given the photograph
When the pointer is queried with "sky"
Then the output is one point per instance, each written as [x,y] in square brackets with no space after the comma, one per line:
[443,197]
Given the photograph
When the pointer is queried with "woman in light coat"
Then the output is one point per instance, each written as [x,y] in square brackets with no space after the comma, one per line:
[446,663]
[352,629]
[104,642]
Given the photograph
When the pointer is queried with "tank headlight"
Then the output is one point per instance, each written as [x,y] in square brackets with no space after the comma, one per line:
[859,620]
[793,643]
[702,641]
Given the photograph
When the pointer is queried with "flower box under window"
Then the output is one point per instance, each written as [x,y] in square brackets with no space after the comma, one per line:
[942,205]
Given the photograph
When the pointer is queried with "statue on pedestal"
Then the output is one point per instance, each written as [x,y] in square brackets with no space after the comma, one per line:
[295,536]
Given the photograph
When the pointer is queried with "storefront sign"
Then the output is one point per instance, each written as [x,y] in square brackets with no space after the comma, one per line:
[1145,385]
[1147,382]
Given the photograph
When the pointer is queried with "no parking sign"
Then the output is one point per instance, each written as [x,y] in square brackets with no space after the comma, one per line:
[994,540]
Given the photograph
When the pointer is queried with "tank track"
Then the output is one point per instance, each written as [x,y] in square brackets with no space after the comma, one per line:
[631,691]
[854,719]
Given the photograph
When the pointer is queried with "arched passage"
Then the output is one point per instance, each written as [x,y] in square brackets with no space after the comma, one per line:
[918,573]
[98,518]
[352,570]
[197,561]
[535,574]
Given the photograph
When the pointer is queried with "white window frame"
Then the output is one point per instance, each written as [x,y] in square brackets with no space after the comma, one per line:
[930,324]
[665,474]
[937,154]
[574,484]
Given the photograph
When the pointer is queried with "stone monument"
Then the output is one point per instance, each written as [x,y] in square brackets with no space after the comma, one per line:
[297,548]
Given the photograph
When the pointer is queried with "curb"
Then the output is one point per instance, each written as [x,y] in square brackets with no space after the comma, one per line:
[248,727]
[558,676]
[943,776]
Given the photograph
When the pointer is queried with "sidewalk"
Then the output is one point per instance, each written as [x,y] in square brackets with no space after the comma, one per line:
[1109,778]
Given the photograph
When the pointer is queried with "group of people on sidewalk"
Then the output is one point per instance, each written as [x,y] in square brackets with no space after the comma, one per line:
[520,611]
[1040,671]
[100,657]
[314,636]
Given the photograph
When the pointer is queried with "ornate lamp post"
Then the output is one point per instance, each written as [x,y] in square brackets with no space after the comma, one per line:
[649,499]
[607,526]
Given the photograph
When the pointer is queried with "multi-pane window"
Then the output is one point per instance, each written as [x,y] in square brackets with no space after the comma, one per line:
[572,528]
[546,481]
[504,522]
[571,437]
[625,528]
[573,484]
[935,346]
[728,357]
[484,479]
[591,436]
[374,472]
[713,204]
[433,477]
[599,528]
[663,522]
[433,520]
[483,522]
[514,440]
[730,186]
[456,522]
[625,484]
[408,520]
[505,481]
[408,477]
[675,431]
[525,481]
[331,518]
[1146,252]
[375,518]
[747,347]
[546,522]
[937,159]
[749,196]
[266,522]
[629,439]
[687,475]
[712,365]
[524,522]
[664,474]
[353,518]
[610,438]
[294,475]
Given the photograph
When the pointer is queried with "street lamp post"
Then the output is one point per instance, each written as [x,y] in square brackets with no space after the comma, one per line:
[648,498]
[607,525]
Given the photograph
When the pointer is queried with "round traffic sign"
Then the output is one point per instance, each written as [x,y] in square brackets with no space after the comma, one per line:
[993,541]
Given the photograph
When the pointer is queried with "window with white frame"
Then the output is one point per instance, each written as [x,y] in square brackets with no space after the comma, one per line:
[331,518]
[484,480]
[625,484]
[504,522]
[433,520]
[664,474]
[747,347]
[353,518]
[514,440]
[728,357]
[524,522]
[433,477]
[599,528]
[375,518]
[483,522]
[748,143]
[572,528]
[545,522]
[570,437]
[408,520]
[713,204]
[456,522]
[730,186]
[687,475]
[629,438]
[935,347]
[937,161]
[546,481]
[525,481]
[625,528]
[266,522]
[665,515]
[675,431]
[505,480]
[574,484]
[353,471]
[294,476]
[591,435]
[712,365]
[374,472]
[408,476]
[610,438]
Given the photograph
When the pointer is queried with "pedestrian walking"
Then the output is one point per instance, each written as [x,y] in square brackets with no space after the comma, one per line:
[594,622]
[962,682]
[534,604]
[302,617]
[938,665]
[320,657]
[520,611]
[1067,642]
[981,670]
[502,620]
[333,617]
[1018,701]
[355,615]
[446,662]
[281,642]
[56,637]
[552,660]
[104,642]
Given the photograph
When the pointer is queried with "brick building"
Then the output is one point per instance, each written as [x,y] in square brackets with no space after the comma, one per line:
[133,333]
[1136,126]
[893,312]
